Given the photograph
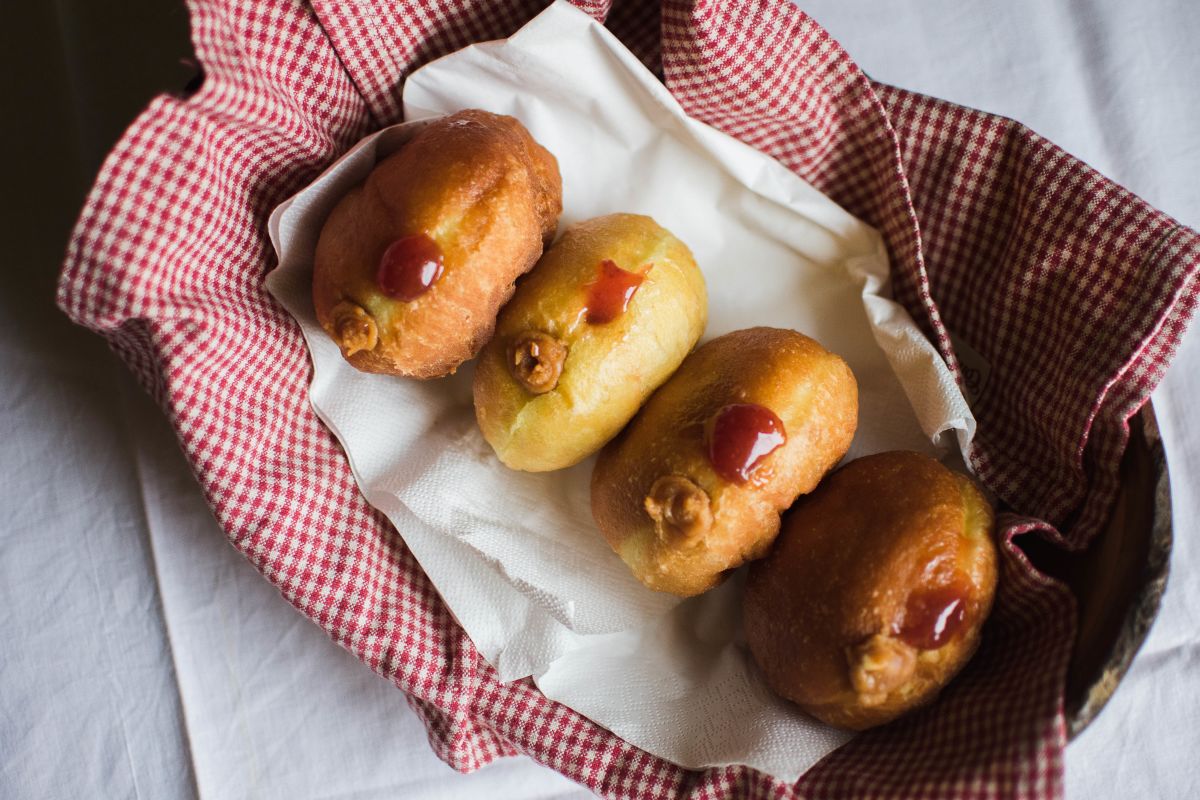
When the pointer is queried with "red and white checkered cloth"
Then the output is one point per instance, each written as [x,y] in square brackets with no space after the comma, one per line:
[1072,290]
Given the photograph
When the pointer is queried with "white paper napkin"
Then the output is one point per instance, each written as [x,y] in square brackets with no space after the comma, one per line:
[516,556]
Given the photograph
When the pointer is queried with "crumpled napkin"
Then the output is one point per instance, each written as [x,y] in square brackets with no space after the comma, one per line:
[516,556]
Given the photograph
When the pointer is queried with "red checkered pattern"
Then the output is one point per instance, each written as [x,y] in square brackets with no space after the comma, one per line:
[1075,291]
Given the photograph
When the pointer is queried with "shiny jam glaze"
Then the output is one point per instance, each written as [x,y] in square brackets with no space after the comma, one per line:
[743,434]
[608,296]
[409,266]
[932,617]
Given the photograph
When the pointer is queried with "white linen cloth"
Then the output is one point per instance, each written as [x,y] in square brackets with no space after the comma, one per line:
[141,656]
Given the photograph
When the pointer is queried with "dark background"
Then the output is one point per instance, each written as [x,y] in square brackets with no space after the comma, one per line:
[75,74]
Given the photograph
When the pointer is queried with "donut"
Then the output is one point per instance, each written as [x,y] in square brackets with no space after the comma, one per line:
[413,264]
[875,592]
[694,486]
[605,317]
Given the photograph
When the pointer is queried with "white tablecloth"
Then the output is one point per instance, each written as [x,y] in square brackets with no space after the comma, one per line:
[141,656]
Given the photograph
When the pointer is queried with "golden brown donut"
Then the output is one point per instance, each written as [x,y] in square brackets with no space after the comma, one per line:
[875,592]
[603,319]
[414,263]
[694,486]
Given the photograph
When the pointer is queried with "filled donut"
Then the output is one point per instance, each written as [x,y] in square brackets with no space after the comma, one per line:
[694,486]
[874,594]
[413,264]
[604,318]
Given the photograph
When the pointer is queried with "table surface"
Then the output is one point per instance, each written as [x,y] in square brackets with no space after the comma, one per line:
[143,657]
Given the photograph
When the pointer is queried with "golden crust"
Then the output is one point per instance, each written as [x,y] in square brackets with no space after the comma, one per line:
[673,540]
[486,193]
[825,611]
[551,388]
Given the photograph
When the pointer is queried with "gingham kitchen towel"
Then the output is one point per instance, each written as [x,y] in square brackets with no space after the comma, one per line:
[1070,293]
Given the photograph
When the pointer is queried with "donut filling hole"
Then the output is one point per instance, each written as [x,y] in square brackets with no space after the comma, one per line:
[680,509]
[536,361]
[879,666]
[353,328]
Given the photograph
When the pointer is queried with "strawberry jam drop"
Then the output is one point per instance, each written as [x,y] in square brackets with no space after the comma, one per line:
[743,434]
[932,617]
[409,266]
[608,296]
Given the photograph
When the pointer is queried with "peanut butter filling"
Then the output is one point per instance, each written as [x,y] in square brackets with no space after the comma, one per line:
[353,328]
[536,361]
[879,666]
[680,509]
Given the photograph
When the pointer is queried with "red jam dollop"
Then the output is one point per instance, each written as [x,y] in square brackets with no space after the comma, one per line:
[409,266]
[608,296]
[933,617]
[743,434]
